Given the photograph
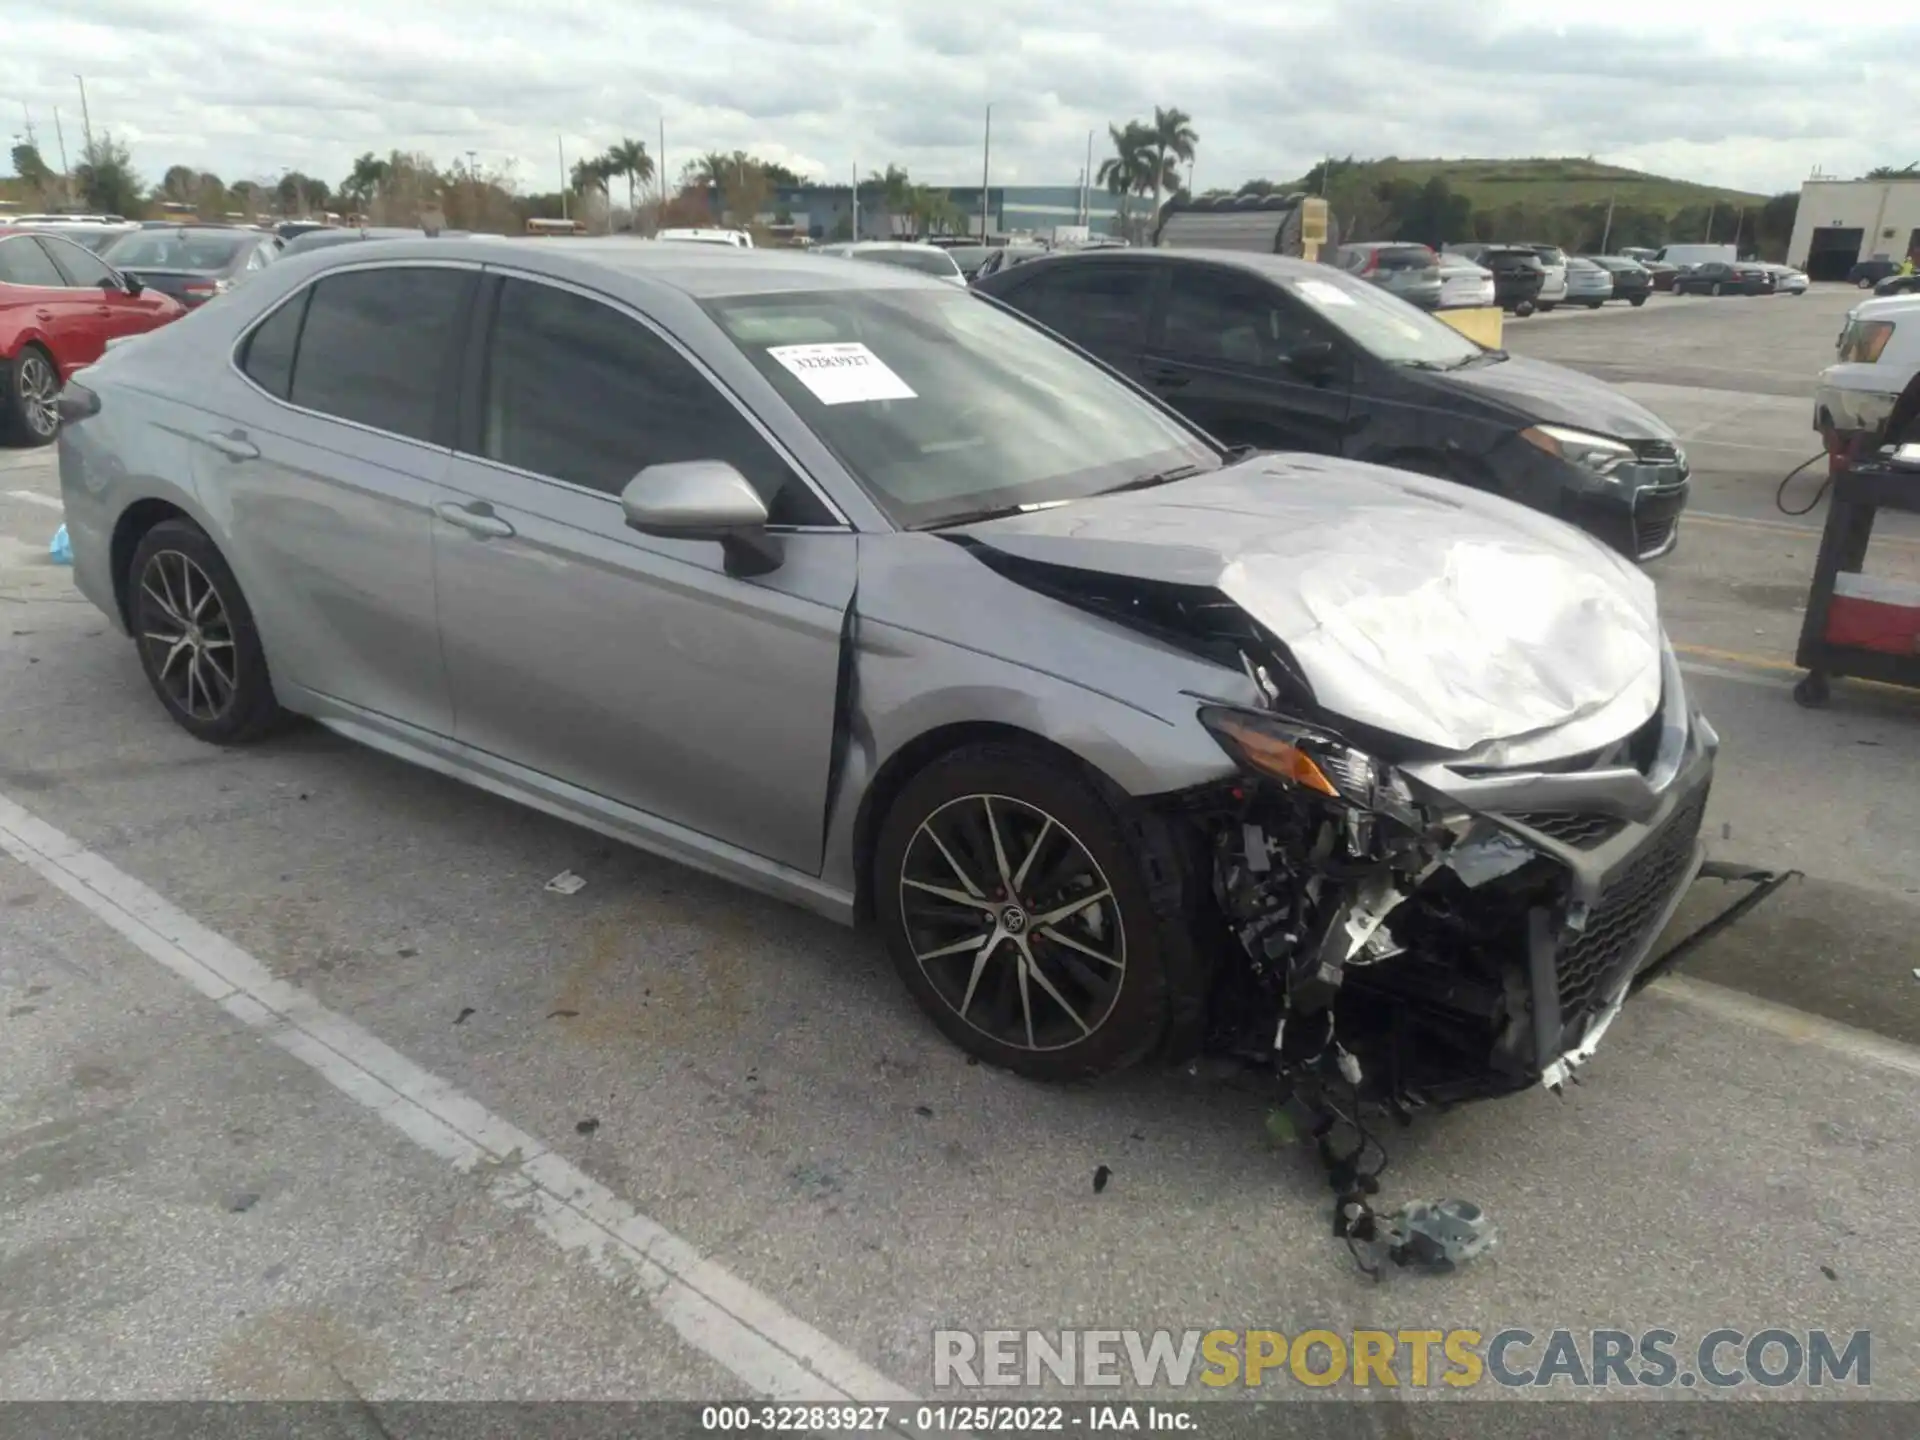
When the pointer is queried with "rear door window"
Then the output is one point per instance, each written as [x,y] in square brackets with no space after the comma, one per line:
[377,346]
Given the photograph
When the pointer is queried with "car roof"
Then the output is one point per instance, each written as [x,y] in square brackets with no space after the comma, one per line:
[1272,267]
[1885,307]
[699,271]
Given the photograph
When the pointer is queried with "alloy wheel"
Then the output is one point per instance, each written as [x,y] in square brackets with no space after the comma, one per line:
[39,394]
[188,639]
[1012,922]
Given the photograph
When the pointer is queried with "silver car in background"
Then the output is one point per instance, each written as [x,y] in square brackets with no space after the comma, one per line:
[1553,290]
[1410,271]
[1588,284]
[1465,283]
[836,582]
[924,259]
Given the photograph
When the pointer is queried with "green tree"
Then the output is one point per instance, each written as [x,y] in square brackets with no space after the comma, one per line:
[106,180]
[589,176]
[28,165]
[710,169]
[630,158]
[1173,141]
[363,183]
[778,174]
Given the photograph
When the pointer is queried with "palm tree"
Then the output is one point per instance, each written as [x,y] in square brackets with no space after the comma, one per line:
[369,174]
[630,158]
[1129,170]
[711,169]
[589,175]
[1173,140]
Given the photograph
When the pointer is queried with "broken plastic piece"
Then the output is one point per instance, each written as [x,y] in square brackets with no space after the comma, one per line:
[1482,859]
[566,883]
[1440,1236]
[61,548]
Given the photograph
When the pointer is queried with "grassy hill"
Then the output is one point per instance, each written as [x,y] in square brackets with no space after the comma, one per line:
[1554,183]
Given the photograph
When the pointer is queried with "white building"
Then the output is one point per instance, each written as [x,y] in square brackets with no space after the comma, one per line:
[1840,222]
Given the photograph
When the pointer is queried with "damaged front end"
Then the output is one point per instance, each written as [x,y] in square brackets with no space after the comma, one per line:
[1441,930]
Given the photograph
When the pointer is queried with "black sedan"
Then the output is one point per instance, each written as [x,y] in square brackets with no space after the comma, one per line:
[190,263]
[1868,273]
[1285,354]
[1717,277]
[1517,270]
[1632,281]
[1898,284]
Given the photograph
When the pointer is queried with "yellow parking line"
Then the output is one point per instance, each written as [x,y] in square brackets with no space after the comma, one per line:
[1782,667]
[1784,527]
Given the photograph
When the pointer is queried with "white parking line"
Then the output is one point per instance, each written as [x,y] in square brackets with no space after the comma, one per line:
[721,1316]
[1798,1026]
[34,497]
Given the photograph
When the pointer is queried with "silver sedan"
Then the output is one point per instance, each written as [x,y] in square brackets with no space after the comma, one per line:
[1588,284]
[857,589]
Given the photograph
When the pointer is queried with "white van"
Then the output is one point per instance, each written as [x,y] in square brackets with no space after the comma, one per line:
[1698,254]
[708,235]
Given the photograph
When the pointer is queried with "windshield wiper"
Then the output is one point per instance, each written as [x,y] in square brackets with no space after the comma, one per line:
[1485,357]
[986,512]
[1159,477]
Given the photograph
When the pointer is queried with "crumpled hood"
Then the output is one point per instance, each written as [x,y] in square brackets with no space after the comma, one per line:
[1539,391]
[1416,606]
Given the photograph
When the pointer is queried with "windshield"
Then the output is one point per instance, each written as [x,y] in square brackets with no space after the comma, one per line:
[927,262]
[1384,325]
[165,250]
[1550,254]
[1405,257]
[942,405]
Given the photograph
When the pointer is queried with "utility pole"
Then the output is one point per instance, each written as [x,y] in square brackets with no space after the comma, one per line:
[1710,209]
[27,115]
[86,120]
[856,201]
[560,149]
[66,175]
[663,170]
[1607,231]
[986,156]
[1086,186]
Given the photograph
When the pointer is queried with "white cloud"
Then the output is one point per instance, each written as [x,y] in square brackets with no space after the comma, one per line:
[245,89]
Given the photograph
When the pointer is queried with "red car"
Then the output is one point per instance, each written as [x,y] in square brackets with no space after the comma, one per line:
[59,305]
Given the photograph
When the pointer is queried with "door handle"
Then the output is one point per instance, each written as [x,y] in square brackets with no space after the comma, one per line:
[234,446]
[1166,379]
[43,315]
[103,312]
[476,518]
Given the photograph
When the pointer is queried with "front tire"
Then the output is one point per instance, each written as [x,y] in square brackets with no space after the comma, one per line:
[1015,903]
[1595,304]
[29,410]
[1637,301]
[1716,288]
[196,636]
[1546,306]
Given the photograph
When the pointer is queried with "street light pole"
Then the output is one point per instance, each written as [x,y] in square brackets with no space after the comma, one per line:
[986,156]
[86,120]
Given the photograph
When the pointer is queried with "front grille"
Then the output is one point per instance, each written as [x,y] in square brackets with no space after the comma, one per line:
[1594,963]
[1570,827]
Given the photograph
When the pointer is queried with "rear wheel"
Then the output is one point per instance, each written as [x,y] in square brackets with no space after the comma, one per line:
[1717,288]
[196,636]
[29,409]
[1638,300]
[1015,905]
[1595,304]
[1865,282]
[1546,306]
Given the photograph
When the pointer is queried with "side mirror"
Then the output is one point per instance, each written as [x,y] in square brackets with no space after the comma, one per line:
[129,283]
[704,500]
[1313,361]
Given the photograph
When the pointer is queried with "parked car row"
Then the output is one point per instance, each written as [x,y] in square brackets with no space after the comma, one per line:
[855,588]
[62,304]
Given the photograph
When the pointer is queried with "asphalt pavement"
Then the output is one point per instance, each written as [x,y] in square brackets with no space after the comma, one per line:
[309,1088]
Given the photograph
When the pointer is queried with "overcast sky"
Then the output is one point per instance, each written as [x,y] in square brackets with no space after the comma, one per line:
[252,89]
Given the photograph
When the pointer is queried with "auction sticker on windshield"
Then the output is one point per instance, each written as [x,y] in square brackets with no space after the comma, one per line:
[1321,293]
[842,374]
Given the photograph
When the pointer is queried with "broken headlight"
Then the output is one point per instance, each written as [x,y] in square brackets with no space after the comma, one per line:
[1298,754]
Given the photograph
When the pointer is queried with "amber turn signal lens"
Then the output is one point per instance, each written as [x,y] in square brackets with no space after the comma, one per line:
[1273,756]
